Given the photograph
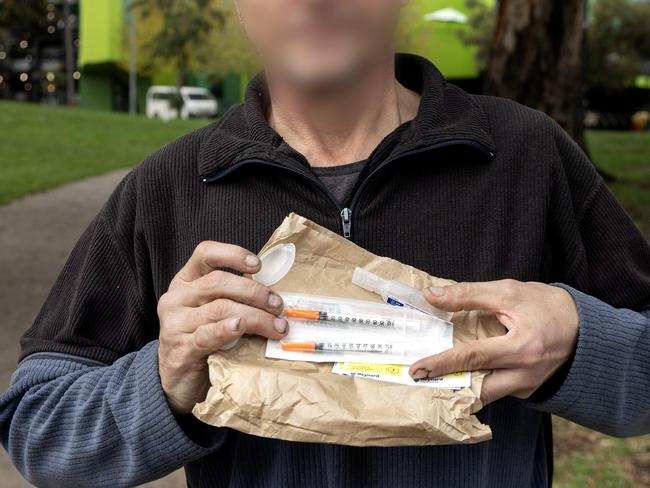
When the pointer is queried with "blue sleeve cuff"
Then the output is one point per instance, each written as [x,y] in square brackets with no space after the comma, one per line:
[186,438]
[556,392]
[605,385]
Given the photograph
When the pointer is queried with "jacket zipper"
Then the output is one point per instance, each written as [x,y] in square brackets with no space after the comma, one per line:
[346,222]
[346,213]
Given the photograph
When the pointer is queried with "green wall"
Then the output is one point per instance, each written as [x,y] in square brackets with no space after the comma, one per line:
[96,91]
[440,41]
[100,31]
[232,89]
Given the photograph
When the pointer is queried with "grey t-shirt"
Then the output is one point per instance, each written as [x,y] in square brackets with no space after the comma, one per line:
[340,180]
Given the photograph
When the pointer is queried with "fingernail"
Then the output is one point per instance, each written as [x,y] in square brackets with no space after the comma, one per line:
[252,261]
[274,301]
[420,374]
[234,324]
[280,325]
[437,291]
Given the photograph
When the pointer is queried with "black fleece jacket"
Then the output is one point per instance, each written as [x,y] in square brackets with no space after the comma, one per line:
[474,188]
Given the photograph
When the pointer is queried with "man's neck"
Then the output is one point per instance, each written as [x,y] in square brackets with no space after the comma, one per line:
[344,125]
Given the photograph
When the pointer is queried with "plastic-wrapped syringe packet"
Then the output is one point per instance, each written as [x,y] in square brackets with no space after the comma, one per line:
[331,329]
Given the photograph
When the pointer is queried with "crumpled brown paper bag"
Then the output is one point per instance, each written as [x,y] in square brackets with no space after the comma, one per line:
[298,401]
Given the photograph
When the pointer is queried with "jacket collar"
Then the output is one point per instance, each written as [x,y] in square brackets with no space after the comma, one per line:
[446,114]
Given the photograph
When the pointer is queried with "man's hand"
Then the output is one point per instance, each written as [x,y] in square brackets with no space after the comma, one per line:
[542,323]
[206,309]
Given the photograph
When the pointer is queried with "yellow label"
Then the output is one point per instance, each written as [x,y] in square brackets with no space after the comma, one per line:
[454,375]
[384,369]
[396,370]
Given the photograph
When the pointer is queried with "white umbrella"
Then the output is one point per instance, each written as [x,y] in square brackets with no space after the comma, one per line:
[447,15]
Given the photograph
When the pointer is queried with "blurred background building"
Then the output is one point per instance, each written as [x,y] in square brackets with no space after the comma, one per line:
[105,54]
[32,53]
[93,52]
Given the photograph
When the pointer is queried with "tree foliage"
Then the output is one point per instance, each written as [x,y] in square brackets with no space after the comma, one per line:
[482,23]
[193,35]
[619,42]
[183,27]
[30,14]
[228,50]
[25,16]
[618,39]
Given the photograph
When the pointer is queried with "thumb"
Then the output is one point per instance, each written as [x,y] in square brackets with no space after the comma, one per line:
[501,383]
[489,296]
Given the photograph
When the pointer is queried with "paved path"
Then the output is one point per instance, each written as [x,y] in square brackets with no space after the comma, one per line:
[36,236]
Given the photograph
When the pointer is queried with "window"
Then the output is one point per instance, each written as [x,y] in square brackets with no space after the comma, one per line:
[199,96]
[163,96]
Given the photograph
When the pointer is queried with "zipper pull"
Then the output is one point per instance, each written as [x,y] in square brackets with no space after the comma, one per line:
[346,220]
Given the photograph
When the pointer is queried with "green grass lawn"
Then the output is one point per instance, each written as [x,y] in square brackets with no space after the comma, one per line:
[626,156]
[587,459]
[42,147]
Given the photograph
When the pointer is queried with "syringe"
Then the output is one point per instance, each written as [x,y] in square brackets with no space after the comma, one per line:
[354,319]
[375,348]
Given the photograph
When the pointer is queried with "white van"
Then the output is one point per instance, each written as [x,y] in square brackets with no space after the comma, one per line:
[197,102]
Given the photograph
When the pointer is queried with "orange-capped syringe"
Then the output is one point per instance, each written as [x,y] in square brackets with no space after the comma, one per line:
[376,348]
[324,316]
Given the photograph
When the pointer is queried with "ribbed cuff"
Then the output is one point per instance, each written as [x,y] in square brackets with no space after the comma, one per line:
[584,378]
[164,433]
[552,386]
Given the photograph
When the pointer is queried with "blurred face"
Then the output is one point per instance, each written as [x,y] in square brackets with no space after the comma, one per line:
[318,43]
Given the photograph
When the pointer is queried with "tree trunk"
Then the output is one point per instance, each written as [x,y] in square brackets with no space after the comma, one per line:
[537,58]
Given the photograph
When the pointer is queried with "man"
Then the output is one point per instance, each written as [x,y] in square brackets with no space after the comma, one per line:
[385,152]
